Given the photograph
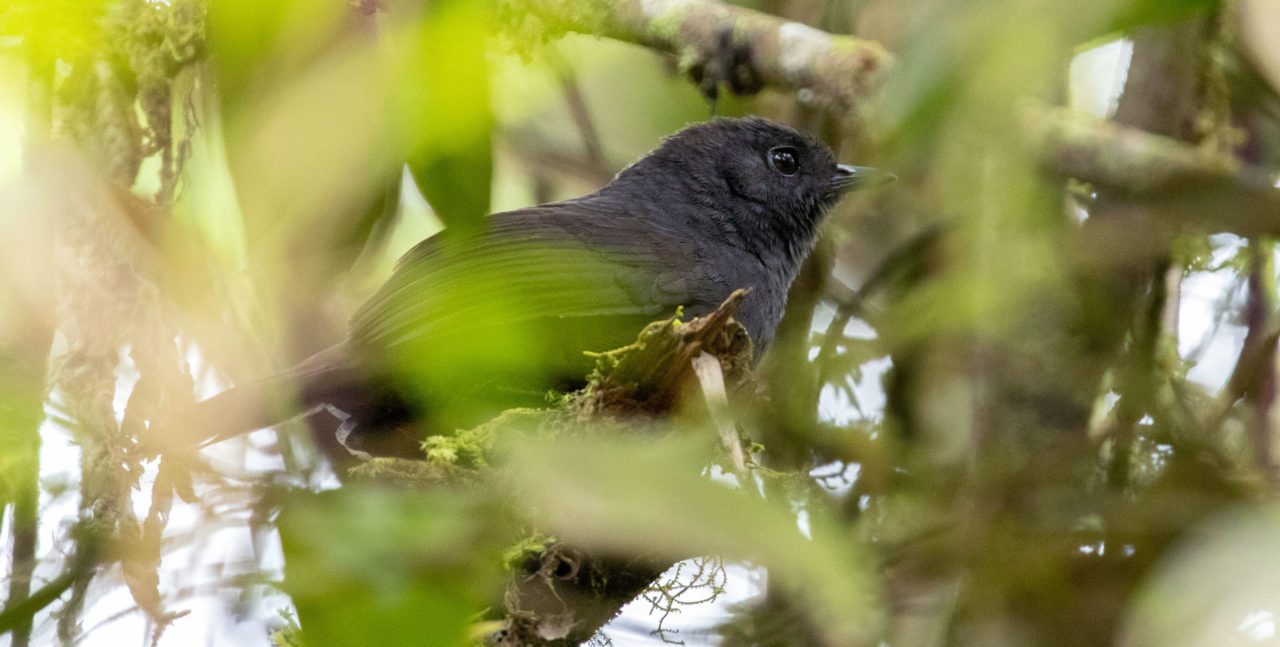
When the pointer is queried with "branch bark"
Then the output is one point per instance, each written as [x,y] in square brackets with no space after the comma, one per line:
[741,47]
[1198,185]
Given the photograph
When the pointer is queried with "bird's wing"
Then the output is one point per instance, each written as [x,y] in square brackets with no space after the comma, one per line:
[582,258]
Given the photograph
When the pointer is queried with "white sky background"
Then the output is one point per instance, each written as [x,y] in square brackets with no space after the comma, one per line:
[1096,76]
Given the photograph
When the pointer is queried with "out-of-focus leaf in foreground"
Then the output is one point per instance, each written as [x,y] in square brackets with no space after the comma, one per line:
[252,40]
[1157,12]
[1217,588]
[1258,37]
[446,112]
[648,496]
[68,28]
[373,566]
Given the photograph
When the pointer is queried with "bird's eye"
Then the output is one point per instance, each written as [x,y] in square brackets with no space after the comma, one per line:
[784,160]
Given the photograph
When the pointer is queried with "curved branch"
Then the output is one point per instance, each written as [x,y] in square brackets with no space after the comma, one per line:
[837,72]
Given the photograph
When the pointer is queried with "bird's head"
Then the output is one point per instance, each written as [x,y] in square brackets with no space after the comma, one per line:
[761,169]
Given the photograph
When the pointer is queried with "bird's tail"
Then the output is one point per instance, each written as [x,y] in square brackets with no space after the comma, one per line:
[254,405]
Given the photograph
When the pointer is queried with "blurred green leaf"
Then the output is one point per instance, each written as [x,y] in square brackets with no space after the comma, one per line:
[66,29]
[1216,587]
[369,566]
[446,111]
[643,496]
[1154,12]
[249,39]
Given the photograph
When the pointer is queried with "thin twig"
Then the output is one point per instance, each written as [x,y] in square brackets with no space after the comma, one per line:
[1258,381]
[854,303]
[577,104]
[707,367]
[20,613]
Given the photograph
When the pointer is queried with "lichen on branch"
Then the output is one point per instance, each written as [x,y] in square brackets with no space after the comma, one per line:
[742,48]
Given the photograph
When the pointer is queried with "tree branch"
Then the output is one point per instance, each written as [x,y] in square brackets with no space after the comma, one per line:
[1203,186]
[558,594]
[742,47]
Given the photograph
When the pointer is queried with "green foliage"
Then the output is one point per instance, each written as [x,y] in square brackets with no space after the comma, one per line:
[1138,13]
[67,28]
[444,94]
[251,41]
[1037,410]
[647,497]
[377,566]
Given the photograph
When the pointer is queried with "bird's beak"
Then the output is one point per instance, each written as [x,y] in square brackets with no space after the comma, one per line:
[851,178]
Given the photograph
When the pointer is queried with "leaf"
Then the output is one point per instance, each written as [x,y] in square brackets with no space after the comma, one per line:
[1155,12]
[446,111]
[641,497]
[69,31]
[1215,587]
[250,40]
[1258,23]
[370,566]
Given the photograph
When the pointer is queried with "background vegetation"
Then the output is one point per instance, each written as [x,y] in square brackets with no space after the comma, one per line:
[1024,396]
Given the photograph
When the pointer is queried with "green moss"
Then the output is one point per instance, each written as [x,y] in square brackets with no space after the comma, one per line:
[530,547]
[411,474]
[523,26]
[469,448]
[289,635]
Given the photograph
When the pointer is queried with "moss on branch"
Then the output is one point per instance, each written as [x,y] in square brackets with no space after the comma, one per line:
[558,594]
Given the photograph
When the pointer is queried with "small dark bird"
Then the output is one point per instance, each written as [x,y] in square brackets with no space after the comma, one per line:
[473,323]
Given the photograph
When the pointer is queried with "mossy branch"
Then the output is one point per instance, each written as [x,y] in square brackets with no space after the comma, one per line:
[1202,187]
[716,43]
[559,594]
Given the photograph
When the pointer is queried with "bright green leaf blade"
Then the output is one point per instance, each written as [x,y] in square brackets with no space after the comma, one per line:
[371,566]
[447,112]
